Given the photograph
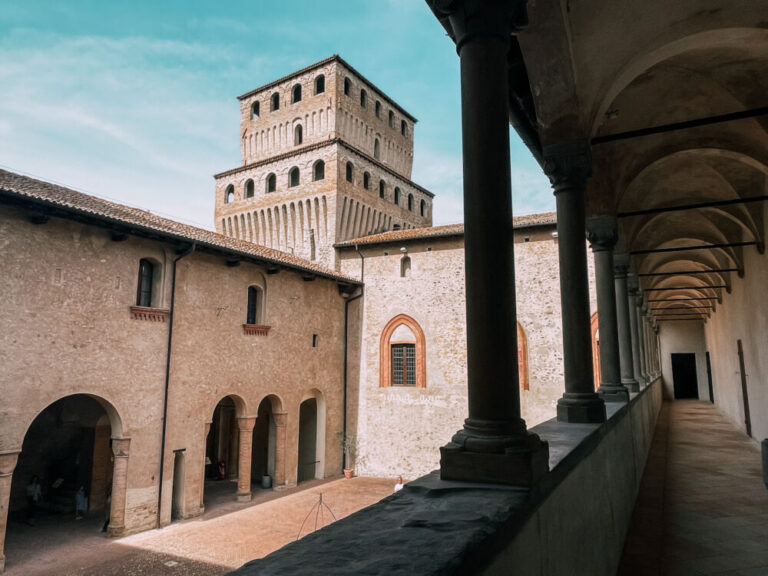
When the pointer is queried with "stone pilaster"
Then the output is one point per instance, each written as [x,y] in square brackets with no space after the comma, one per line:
[603,234]
[494,445]
[207,430]
[8,461]
[626,361]
[633,289]
[281,419]
[120,452]
[641,337]
[245,429]
[568,166]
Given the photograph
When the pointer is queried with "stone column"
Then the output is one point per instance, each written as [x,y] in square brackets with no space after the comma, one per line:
[632,284]
[202,474]
[8,460]
[280,430]
[620,268]
[568,166]
[245,430]
[602,234]
[641,337]
[494,444]
[120,452]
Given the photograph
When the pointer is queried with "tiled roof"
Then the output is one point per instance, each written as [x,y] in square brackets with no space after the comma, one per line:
[334,58]
[65,201]
[542,219]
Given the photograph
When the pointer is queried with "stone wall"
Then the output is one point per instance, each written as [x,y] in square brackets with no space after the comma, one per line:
[399,428]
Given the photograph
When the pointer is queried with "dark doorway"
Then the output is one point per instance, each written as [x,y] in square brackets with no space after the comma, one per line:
[264,447]
[684,376]
[744,391]
[307,440]
[221,452]
[709,380]
[177,508]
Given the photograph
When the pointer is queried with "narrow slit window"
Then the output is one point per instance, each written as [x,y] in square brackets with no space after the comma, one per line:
[146,278]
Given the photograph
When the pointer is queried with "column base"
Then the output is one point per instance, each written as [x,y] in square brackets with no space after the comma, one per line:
[511,460]
[245,497]
[613,393]
[581,408]
[631,385]
[115,531]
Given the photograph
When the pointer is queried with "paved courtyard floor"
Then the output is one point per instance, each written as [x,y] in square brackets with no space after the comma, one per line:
[702,507]
[225,537]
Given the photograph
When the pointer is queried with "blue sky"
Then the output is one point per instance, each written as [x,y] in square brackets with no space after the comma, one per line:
[136,101]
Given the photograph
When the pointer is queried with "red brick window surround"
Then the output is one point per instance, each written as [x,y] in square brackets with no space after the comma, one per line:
[402,363]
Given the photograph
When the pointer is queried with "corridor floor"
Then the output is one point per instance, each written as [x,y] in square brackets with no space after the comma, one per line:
[702,506]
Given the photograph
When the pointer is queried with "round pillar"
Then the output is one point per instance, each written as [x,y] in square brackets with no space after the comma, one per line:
[626,361]
[245,429]
[120,452]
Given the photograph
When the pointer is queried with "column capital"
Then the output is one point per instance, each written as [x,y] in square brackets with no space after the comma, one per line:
[568,165]
[467,19]
[246,424]
[633,284]
[602,233]
[121,447]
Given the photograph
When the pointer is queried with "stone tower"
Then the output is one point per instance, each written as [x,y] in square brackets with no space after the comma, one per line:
[326,156]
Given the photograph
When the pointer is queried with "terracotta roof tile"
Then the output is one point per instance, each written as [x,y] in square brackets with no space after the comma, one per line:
[541,219]
[53,196]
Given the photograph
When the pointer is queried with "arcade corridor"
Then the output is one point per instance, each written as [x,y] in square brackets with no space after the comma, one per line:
[702,506]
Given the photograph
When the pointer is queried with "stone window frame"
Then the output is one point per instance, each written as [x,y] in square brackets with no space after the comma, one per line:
[296,94]
[298,135]
[229,194]
[255,110]
[249,188]
[410,202]
[291,172]
[367,180]
[274,101]
[270,183]
[385,352]
[319,165]
[396,196]
[319,84]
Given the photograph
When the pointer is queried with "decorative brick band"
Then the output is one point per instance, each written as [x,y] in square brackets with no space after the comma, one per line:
[151,314]
[255,329]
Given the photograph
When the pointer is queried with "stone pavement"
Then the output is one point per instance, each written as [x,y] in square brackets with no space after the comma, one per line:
[225,537]
[702,507]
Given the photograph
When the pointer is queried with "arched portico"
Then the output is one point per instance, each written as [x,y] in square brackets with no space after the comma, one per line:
[268,452]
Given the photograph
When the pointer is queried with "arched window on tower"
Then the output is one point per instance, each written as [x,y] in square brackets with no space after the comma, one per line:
[376,149]
[350,172]
[363,98]
[320,84]
[293,177]
[405,266]
[378,109]
[522,358]
[271,184]
[422,208]
[366,180]
[410,202]
[275,101]
[297,135]
[382,189]
[397,196]
[254,110]
[402,354]
[249,188]
[391,119]
[347,86]
[229,194]
[318,171]
[296,94]
[403,128]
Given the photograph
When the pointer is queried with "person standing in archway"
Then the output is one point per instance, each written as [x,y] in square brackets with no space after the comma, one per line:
[34,493]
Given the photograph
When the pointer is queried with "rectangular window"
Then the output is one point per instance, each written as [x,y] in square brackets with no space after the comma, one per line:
[146,273]
[403,365]
[253,301]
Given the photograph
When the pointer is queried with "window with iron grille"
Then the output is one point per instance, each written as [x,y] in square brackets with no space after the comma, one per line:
[403,365]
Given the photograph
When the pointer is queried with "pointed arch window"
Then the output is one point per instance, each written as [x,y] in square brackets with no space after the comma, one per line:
[293,177]
[402,354]
[296,94]
[271,184]
[320,84]
[318,172]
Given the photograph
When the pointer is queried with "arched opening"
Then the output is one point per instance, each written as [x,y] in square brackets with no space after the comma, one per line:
[311,437]
[177,502]
[249,189]
[268,452]
[378,109]
[271,183]
[320,84]
[391,119]
[402,354]
[363,98]
[422,208]
[403,128]
[396,199]
[382,189]
[296,94]
[254,110]
[275,101]
[350,172]
[366,180]
[347,86]
[410,202]
[255,309]
[297,135]
[221,452]
[318,171]
[596,351]
[229,194]
[67,471]
[376,149]
[405,266]
[293,177]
